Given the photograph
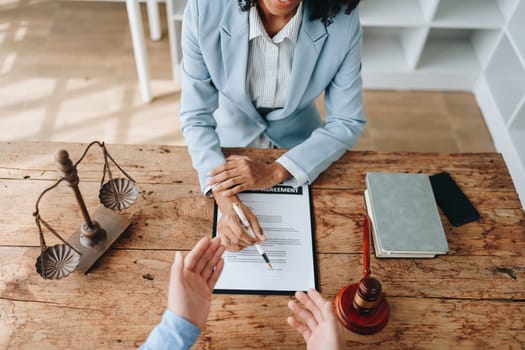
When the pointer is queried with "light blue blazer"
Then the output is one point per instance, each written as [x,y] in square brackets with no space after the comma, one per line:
[216,110]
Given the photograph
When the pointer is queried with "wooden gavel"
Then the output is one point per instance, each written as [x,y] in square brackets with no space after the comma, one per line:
[362,307]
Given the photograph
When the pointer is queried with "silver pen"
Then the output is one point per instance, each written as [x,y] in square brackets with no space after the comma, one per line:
[246,225]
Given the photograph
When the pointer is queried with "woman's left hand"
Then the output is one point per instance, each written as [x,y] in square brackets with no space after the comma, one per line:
[240,173]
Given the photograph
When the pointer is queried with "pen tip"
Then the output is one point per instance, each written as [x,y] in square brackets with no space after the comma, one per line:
[270,266]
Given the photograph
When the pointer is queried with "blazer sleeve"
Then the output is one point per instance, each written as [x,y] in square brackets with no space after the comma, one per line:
[199,100]
[345,118]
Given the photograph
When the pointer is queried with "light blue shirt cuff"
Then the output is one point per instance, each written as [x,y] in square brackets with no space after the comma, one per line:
[173,332]
[298,178]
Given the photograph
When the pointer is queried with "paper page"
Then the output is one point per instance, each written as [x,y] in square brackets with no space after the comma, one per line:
[285,216]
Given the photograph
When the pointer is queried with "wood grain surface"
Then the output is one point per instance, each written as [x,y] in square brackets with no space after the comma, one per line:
[472,298]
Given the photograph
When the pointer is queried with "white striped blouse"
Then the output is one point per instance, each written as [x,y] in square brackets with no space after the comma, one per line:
[269,71]
[270,60]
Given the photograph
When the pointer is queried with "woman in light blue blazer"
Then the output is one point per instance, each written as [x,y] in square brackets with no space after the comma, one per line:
[251,72]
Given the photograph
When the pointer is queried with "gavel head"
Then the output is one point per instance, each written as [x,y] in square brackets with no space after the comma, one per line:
[367,296]
[362,307]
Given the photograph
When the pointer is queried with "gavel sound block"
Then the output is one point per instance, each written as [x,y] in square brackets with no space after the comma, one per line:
[362,307]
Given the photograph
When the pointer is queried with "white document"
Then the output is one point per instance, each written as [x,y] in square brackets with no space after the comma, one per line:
[285,215]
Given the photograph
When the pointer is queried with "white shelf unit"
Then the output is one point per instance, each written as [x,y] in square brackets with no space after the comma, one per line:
[468,14]
[399,44]
[399,13]
[500,92]
[517,135]
[505,76]
[428,44]
[469,45]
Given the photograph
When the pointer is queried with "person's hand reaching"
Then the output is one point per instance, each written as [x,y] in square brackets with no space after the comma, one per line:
[316,321]
[193,278]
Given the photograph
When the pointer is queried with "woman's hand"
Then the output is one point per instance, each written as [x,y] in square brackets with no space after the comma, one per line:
[229,228]
[240,173]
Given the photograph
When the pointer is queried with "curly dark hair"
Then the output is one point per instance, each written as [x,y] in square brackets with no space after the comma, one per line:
[325,10]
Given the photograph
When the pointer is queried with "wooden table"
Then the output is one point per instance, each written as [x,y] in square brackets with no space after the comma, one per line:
[473,298]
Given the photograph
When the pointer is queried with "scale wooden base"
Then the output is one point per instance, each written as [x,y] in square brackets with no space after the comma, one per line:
[112,225]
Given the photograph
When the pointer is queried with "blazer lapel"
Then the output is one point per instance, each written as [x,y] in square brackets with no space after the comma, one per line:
[309,44]
[234,46]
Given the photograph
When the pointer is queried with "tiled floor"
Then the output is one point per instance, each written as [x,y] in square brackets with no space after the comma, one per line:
[67,73]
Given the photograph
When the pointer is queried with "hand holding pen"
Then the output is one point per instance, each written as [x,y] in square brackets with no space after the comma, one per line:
[246,225]
[229,229]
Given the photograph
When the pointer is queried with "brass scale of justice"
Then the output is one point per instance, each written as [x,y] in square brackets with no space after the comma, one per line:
[98,232]
[361,307]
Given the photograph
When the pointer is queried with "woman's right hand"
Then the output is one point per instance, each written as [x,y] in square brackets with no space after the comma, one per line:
[229,228]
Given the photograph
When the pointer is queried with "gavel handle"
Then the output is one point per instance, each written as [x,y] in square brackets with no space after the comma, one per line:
[366,247]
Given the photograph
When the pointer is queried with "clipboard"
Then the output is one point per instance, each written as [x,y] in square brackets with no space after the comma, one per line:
[286,216]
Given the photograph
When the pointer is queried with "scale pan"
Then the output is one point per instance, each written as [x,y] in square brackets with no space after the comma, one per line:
[60,259]
[118,194]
